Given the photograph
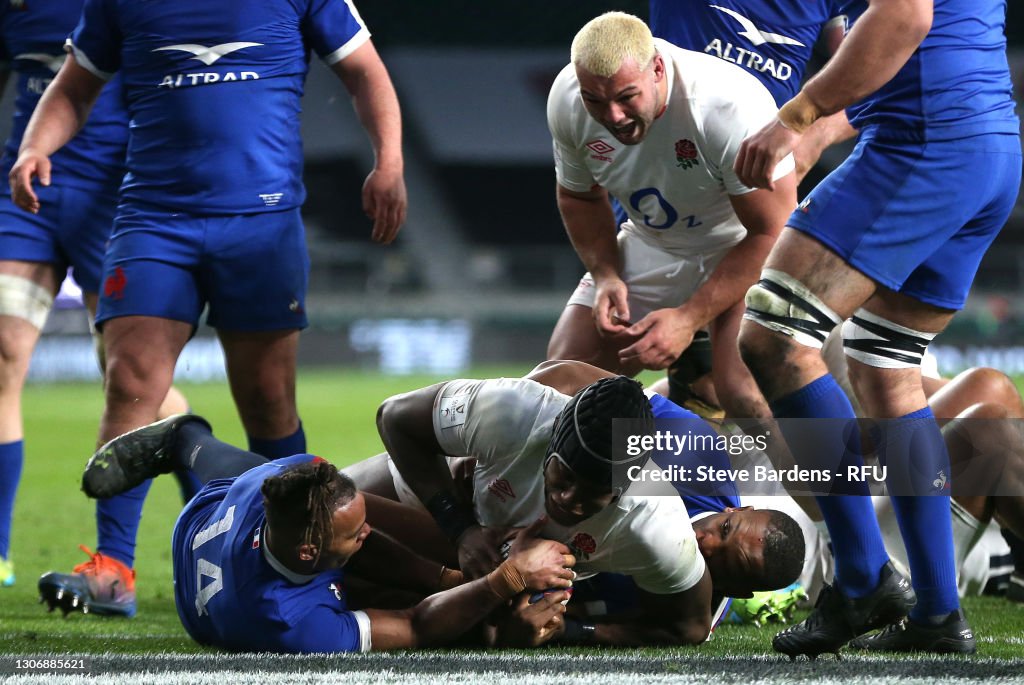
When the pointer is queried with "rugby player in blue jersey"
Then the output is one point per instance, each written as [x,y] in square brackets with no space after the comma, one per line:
[209,207]
[772,39]
[261,554]
[887,245]
[71,230]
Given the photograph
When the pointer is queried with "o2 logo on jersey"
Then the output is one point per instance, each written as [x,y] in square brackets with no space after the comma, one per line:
[657,212]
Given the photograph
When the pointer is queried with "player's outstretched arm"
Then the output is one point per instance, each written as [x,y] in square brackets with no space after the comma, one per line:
[824,132]
[61,112]
[385,561]
[533,565]
[384,195]
[828,130]
[406,426]
[876,48]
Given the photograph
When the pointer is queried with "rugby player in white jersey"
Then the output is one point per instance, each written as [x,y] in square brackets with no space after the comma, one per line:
[658,128]
[540,451]
[524,470]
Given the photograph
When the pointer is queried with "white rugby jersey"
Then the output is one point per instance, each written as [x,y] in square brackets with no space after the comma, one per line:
[675,184]
[506,425]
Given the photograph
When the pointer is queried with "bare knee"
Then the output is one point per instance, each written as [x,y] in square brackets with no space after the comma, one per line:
[738,394]
[576,338]
[766,354]
[130,379]
[997,388]
[886,392]
[986,410]
[17,339]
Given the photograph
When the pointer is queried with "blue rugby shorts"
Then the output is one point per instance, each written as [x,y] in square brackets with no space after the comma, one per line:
[251,270]
[916,217]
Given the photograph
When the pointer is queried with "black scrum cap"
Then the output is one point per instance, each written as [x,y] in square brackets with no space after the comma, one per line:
[583,431]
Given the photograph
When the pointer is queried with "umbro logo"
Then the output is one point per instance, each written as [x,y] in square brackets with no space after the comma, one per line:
[601,150]
[502,489]
[208,55]
[755,35]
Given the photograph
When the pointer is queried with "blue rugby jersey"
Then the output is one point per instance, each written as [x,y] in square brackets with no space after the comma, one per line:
[32,35]
[698,498]
[230,595]
[955,85]
[214,94]
[772,39]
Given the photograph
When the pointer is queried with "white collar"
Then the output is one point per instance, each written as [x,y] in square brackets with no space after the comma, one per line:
[290,576]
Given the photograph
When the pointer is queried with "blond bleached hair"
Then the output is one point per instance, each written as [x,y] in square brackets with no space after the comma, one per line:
[606,42]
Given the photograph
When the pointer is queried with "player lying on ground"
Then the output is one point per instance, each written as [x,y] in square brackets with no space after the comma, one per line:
[538,450]
[259,553]
[195,225]
[979,411]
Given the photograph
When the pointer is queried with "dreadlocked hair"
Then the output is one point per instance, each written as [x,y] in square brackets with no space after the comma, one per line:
[304,498]
[783,551]
[583,431]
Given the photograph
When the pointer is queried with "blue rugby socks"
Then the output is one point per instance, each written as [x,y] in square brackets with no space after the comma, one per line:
[188,484]
[278,448]
[209,458]
[12,456]
[117,523]
[917,457]
[856,538]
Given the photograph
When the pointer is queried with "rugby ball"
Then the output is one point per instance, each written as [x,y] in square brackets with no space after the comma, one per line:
[537,596]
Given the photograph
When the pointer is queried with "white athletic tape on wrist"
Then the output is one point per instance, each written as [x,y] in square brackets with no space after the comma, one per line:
[878,342]
[24,299]
[783,304]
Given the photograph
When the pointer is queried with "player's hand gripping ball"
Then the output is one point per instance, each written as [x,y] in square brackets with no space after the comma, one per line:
[537,596]
[540,595]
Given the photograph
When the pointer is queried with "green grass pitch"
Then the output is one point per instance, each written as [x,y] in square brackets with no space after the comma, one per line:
[52,517]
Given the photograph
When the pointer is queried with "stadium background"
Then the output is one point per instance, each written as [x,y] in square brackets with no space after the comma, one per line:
[475,281]
[482,267]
